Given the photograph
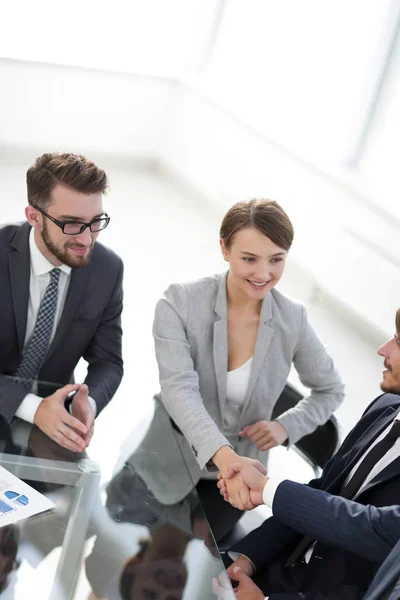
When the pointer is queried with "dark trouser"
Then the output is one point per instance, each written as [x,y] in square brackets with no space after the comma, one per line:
[221,515]
[277,579]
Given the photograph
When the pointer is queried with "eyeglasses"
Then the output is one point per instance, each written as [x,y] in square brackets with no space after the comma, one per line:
[77,227]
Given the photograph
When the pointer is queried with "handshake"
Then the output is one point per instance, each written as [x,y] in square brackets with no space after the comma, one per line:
[242,481]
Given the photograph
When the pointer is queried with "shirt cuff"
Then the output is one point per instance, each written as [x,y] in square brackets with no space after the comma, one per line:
[235,555]
[28,407]
[269,491]
[93,405]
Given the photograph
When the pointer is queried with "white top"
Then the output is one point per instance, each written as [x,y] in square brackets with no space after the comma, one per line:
[236,388]
[39,279]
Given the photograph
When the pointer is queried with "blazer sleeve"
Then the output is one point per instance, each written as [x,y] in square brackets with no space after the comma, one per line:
[317,372]
[179,380]
[104,353]
[367,531]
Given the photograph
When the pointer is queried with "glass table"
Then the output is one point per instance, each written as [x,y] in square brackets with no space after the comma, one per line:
[112,540]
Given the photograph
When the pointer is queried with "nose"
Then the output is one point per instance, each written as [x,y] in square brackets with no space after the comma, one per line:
[384,349]
[262,272]
[84,238]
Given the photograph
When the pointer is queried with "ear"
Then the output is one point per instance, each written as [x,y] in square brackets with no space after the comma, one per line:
[225,252]
[33,216]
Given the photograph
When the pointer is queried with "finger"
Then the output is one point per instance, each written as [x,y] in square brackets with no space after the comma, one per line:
[260,435]
[75,423]
[258,465]
[232,470]
[63,392]
[65,442]
[269,445]
[249,430]
[72,436]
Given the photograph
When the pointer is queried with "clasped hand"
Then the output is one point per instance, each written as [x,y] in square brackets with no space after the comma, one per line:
[72,431]
[242,482]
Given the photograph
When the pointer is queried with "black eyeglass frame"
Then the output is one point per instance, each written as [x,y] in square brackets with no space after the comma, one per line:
[62,224]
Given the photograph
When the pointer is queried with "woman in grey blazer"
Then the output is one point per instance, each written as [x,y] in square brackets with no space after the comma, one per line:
[224,346]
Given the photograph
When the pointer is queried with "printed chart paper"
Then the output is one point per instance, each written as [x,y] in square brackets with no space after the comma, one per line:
[18,500]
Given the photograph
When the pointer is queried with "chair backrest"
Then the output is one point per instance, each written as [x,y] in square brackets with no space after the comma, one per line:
[317,447]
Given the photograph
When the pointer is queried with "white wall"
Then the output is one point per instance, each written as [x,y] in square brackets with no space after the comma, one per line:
[51,107]
[344,246]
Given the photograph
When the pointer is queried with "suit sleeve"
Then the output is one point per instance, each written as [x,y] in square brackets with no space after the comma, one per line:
[104,353]
[317,372]
[367,531]
[179,380]
[11,396]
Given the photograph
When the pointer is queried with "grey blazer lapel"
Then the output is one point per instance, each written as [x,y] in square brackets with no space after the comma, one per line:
[76,290]
[264,337]
[220,342]
[20,272]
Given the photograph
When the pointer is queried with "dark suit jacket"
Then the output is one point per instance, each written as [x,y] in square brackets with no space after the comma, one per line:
[90,325]
[386,583]
[353,537]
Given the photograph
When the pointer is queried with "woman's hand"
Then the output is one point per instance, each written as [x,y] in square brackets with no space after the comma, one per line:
[265,434]
[237,491]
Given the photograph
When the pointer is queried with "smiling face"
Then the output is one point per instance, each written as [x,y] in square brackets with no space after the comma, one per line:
[256,264]
[391,355]
[66,205]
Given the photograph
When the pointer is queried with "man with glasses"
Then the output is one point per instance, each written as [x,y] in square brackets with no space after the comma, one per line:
[60,300]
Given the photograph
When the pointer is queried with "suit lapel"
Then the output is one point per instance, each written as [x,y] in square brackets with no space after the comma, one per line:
[220,342]
[76,290]
[20,266]
[363,444]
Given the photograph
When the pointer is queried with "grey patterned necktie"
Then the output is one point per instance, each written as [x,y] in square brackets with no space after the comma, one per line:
[37,347]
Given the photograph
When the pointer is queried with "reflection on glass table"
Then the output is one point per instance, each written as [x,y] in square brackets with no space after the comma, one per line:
[120,542]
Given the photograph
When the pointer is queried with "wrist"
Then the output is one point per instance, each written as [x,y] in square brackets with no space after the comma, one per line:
[223,457]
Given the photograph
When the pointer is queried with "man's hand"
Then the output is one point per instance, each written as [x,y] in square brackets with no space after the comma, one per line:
[81,409]
[246,588]
[265,434]
[251,477]
[243,563]
[222,587]
[56,422]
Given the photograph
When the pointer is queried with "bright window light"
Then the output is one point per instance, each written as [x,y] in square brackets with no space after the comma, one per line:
[304,73]
[155,37]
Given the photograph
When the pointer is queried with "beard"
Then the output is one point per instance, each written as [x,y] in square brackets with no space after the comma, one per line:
[390,388]
[62,254]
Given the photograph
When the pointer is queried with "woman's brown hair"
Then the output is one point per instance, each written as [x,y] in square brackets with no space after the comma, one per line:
[265,215]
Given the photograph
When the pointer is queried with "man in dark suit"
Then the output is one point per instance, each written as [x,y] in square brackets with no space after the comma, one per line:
[61,299]
[327,539]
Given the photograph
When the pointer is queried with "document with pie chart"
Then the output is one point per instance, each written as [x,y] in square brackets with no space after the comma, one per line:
[18,500]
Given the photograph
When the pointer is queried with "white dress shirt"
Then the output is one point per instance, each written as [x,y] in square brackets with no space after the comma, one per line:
[39,279]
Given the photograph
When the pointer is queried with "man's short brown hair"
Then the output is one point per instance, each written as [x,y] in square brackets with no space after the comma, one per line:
[71,170]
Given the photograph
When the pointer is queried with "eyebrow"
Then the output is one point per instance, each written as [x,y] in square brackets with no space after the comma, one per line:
[75,218]
[256,255]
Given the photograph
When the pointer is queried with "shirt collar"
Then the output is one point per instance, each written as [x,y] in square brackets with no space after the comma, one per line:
[39,263]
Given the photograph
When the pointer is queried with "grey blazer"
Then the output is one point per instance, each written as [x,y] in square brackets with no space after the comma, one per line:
[90,325]
[190,333]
